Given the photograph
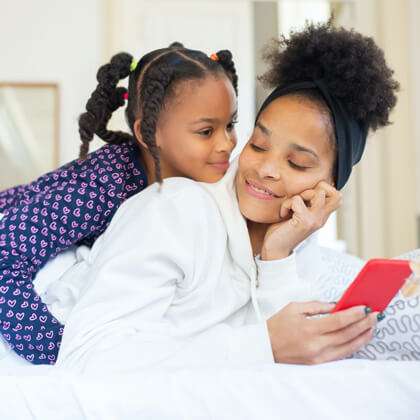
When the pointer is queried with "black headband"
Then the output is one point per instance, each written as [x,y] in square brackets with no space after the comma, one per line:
[350,135]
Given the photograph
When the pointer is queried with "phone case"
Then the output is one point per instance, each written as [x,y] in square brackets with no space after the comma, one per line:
[376,284]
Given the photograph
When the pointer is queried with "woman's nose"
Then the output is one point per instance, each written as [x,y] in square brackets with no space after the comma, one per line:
[270,170]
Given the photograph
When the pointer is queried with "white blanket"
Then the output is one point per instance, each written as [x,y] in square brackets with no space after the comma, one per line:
[345,390]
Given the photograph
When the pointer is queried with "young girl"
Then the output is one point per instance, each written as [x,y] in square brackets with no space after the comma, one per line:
[181,110]
[176,277]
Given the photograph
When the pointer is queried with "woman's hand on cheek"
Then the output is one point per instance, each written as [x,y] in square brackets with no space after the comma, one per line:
[301,215]
[297,338]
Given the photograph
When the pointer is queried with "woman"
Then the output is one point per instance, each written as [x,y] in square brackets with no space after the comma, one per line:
[193,273]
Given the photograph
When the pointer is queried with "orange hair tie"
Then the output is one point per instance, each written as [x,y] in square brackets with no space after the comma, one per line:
[214,57]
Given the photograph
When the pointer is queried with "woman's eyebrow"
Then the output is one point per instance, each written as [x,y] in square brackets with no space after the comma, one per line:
[299,148]
[263,128]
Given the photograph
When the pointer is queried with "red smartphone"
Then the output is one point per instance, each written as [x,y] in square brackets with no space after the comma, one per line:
[375,285]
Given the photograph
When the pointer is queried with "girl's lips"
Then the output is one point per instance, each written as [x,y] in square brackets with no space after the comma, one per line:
[258,193]
[221,166]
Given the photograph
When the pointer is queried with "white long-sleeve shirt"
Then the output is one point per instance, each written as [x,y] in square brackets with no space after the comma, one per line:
[173,281]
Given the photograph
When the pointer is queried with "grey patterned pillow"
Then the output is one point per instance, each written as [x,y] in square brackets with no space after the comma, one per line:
[397,337]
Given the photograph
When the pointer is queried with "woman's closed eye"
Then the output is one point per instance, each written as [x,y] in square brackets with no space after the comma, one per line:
[296,166]
[256,148]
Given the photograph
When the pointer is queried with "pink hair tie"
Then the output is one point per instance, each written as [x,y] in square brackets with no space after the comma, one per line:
[125,96]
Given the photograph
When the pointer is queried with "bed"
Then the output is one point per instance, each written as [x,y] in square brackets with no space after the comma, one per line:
[348,389]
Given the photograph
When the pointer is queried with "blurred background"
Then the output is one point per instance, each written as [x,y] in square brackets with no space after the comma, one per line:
[52,49]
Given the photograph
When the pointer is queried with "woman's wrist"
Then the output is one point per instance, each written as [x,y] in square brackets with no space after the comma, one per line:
[268,254]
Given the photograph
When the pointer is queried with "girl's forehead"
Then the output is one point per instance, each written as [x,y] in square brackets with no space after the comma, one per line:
[198,95]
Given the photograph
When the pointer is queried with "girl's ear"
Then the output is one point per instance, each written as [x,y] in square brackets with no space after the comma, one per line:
[137,134]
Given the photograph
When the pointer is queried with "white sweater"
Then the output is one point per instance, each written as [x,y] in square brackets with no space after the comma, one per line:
[173,281]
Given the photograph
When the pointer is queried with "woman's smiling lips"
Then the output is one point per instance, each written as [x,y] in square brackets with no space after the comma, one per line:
[259,191]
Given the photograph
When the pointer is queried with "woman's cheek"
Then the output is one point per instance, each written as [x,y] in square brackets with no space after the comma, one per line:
[297,183]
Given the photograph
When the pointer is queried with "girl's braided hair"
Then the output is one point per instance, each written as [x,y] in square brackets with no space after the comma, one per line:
[150,85]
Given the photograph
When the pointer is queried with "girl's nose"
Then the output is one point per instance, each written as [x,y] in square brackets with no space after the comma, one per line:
[226,142]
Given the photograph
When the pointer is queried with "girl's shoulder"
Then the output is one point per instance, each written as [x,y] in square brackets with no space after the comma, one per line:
[177,200]
[179,192]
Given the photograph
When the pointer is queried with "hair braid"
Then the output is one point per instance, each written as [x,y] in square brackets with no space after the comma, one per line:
[104,100]
[152,94]
[225,59]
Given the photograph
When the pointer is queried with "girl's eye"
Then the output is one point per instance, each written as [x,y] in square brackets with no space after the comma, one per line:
[257,148]
[206,133]
[298,167]
[231,125]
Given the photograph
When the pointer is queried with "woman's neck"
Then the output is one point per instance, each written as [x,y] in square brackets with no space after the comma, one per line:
[257,233]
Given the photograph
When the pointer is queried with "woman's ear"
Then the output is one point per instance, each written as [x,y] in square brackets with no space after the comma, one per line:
[137,134]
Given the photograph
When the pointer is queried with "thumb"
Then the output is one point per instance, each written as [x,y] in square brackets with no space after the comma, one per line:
[315,308]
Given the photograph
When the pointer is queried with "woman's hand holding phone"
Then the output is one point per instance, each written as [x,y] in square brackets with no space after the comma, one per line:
[301,216]
[298,338]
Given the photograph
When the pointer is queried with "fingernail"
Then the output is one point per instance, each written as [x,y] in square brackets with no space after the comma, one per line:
[380,316]
[367,310]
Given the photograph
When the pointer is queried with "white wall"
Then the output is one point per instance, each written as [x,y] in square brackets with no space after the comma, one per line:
[54,41]
[66,42]
[139,26]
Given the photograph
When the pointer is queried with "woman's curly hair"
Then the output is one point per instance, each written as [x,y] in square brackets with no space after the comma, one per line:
[150,85]
[350,64]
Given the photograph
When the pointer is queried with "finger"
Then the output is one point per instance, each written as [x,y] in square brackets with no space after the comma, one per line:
[353,331]
[347,349]
[332,203]
[307,195]
[292,205]
[339,320]
[298,205]
[333,197]
[328,188]
[314,308]
[300,213]
[286,208]
[318,201]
